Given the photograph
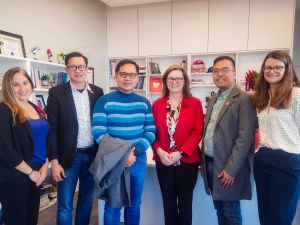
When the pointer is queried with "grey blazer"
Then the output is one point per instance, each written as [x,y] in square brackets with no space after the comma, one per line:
[112,178]
[233,143]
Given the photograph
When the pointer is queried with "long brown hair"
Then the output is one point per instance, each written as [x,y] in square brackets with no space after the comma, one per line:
[282,95]
[186,87]
[9,97]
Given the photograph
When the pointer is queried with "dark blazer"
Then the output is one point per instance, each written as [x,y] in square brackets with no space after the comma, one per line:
[188,130]
[16,144]
[233,145]
[62,117]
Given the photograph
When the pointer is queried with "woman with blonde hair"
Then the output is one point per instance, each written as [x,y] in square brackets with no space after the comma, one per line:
[277,162]
[23,161]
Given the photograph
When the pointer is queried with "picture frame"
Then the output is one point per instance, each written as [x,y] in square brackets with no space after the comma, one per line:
[12,44]
[90,75]
[40,101]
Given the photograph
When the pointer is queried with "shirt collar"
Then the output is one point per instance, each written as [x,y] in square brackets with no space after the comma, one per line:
[224,94]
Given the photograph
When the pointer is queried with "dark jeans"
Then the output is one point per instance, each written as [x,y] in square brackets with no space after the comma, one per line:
[277,177]
[66,189]
[228,212]
[20,199]
[132,213]
[177,185]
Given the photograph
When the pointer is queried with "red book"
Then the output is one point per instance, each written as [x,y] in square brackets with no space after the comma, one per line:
[156,84]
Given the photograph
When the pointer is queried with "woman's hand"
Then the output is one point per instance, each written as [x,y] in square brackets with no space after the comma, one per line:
[164,157]
[34,176]
[43,173]
[175,156]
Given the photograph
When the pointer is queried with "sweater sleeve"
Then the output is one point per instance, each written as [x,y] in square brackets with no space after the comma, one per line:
[149,131]
[99,121]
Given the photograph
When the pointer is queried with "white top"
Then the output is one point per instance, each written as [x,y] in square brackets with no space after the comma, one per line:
[280,128]
[82,105]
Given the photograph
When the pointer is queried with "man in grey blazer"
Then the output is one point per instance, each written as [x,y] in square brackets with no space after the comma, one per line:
[228,144]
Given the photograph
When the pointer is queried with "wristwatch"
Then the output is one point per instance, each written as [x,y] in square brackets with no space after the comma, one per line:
[181,152]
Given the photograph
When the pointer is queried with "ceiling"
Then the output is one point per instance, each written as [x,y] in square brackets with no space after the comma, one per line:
[116,3]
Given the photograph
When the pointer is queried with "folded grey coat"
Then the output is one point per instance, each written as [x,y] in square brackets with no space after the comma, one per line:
[111,176]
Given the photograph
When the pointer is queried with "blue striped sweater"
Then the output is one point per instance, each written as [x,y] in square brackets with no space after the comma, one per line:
[126,116]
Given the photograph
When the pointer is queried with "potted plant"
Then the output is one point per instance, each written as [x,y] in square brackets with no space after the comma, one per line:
[44,80]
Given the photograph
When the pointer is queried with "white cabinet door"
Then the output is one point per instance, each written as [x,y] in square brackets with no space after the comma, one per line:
[271,24]
[228,25]
[122,31]
[154,29]
[189,26]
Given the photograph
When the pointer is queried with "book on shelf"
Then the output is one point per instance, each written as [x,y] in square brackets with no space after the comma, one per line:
[142,70]
[156,84]
[52,79]
[113,88]
[154,68]
[140,83]
[112,67]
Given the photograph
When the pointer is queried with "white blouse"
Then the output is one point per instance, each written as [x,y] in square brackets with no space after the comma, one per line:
[280,128]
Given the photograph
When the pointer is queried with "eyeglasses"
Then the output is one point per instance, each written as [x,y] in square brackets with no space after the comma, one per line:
[276,69]
[130,75]
[176,79]
[223,70]
[74,68]
[18,85]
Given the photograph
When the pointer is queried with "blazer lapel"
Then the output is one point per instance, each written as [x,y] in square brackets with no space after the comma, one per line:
[92,100]
[230,99]
[184,106]
[70,99]
[28,128]
[210,107]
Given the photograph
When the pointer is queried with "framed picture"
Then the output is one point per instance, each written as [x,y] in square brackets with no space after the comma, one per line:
[12,44]
[40,101]
[90,75]
[156,84]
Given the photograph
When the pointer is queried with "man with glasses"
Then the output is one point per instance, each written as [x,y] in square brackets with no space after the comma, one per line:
[71,144]
[228,144]
[124,114]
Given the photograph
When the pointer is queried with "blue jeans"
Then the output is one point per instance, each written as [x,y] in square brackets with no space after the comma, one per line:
[132,213]
[228,212]
[277,178]
[66,190]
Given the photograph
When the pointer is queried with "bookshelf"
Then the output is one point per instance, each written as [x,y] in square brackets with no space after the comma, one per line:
[200,76]
[35,69]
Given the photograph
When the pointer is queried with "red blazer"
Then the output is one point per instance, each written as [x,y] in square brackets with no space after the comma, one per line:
[188,132]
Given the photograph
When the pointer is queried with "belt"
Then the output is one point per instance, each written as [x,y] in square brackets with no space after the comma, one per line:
[209,159]
[86,150]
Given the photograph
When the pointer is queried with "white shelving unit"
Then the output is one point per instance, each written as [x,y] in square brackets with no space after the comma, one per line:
[245,60]
[7,62]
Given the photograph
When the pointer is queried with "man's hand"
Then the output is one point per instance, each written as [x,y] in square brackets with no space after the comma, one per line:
[131,158]
[164,157]
[58,173]
[226,179]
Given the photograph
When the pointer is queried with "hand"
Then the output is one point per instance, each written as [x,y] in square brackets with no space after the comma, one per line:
[131,158]
[58,173]
[34,176]
[226,179]
[164,157]
[43,173]
[175,156]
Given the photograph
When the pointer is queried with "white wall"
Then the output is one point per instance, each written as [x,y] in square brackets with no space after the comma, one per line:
[296,50]
[60,25]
